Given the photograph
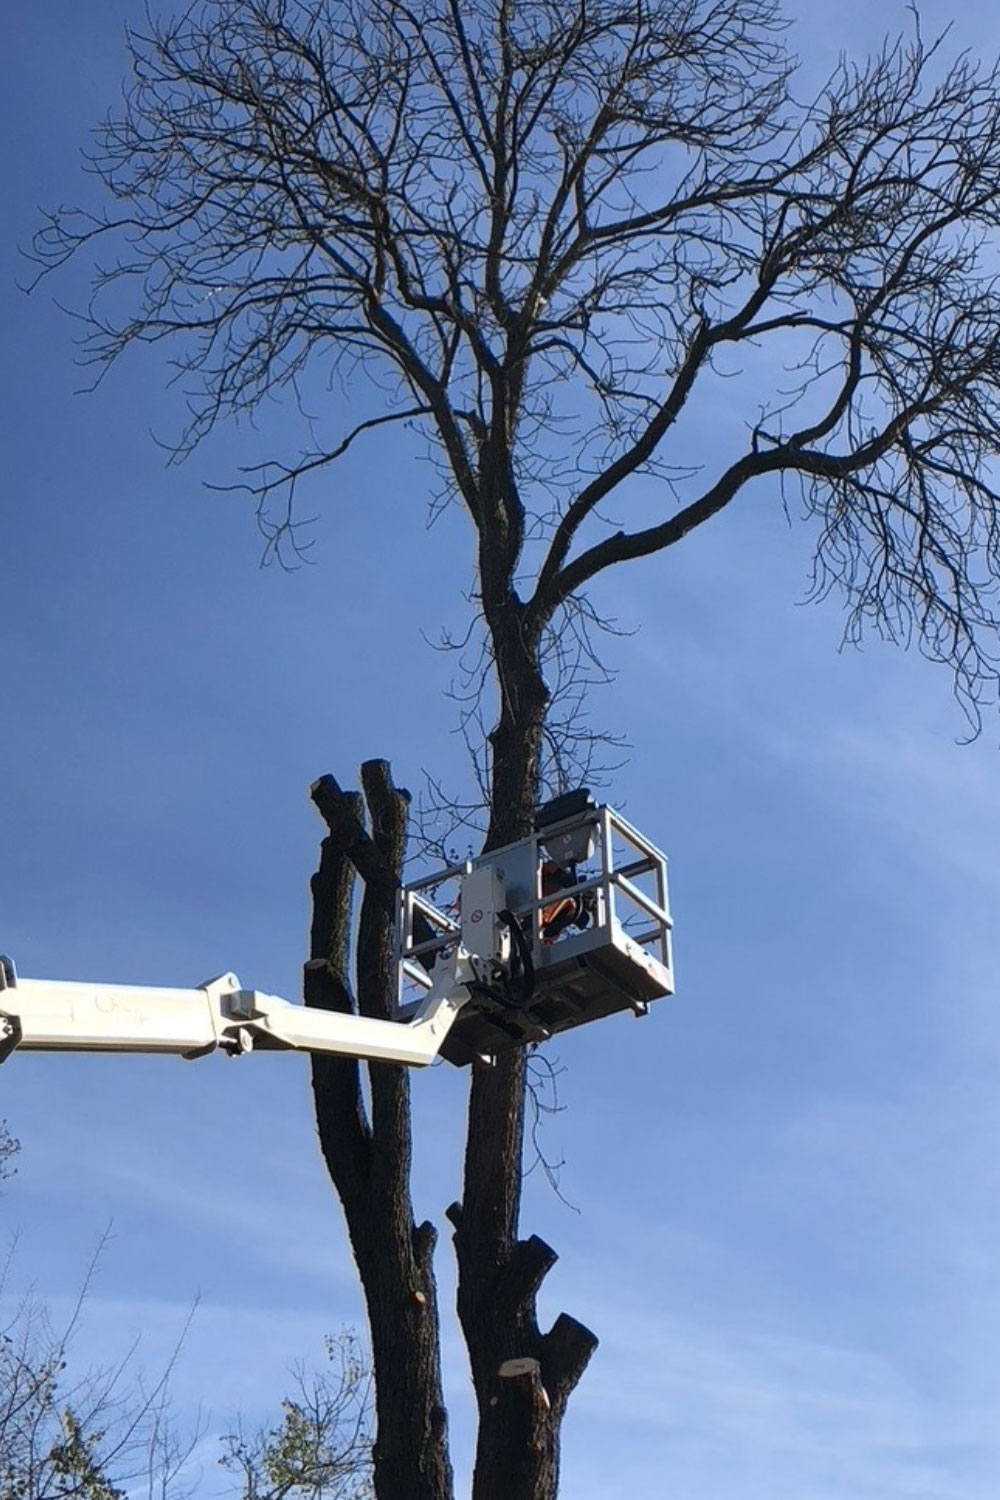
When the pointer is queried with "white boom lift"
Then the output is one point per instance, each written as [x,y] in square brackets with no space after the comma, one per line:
[530,946]
[46,1015]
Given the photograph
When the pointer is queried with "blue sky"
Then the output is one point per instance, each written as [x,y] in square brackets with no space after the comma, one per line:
[786,1179]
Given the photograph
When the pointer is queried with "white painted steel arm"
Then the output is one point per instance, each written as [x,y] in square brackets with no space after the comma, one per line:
[51,1015]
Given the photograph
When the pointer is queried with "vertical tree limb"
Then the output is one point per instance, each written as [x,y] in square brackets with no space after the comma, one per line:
[369,1163]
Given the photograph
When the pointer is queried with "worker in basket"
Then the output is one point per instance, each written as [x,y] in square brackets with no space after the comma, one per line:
[569,907]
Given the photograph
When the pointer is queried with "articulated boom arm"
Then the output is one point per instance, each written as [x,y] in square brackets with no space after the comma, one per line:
[530,947]
[53,1016]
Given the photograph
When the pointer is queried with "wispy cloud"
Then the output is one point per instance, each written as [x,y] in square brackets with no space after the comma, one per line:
[707,1411]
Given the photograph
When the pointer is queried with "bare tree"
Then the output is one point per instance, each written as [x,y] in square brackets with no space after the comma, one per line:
[321,1448]
[540,227]
[100,1435]
[106,1434]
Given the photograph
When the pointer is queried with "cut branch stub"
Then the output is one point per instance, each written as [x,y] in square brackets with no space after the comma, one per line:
[567,1350]
[530,1262]
[341,811]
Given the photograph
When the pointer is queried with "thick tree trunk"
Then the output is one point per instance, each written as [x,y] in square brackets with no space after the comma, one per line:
[369,1160]
[522,1377]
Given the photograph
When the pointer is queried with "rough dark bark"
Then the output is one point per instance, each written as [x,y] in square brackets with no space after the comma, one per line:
[520,1415]
[369,1156]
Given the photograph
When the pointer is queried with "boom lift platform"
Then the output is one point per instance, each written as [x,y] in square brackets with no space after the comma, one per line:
[530,946]
[610,951]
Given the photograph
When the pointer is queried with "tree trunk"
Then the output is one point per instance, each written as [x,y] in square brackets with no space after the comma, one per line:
[369,1160]
[522,1377]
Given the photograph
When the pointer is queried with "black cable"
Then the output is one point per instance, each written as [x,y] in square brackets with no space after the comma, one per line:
[525,978]
[515,988]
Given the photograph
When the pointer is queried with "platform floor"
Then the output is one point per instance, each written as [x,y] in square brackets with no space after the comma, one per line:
[582,978]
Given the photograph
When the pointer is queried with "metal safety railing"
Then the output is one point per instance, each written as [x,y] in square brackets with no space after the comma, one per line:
[619,905]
